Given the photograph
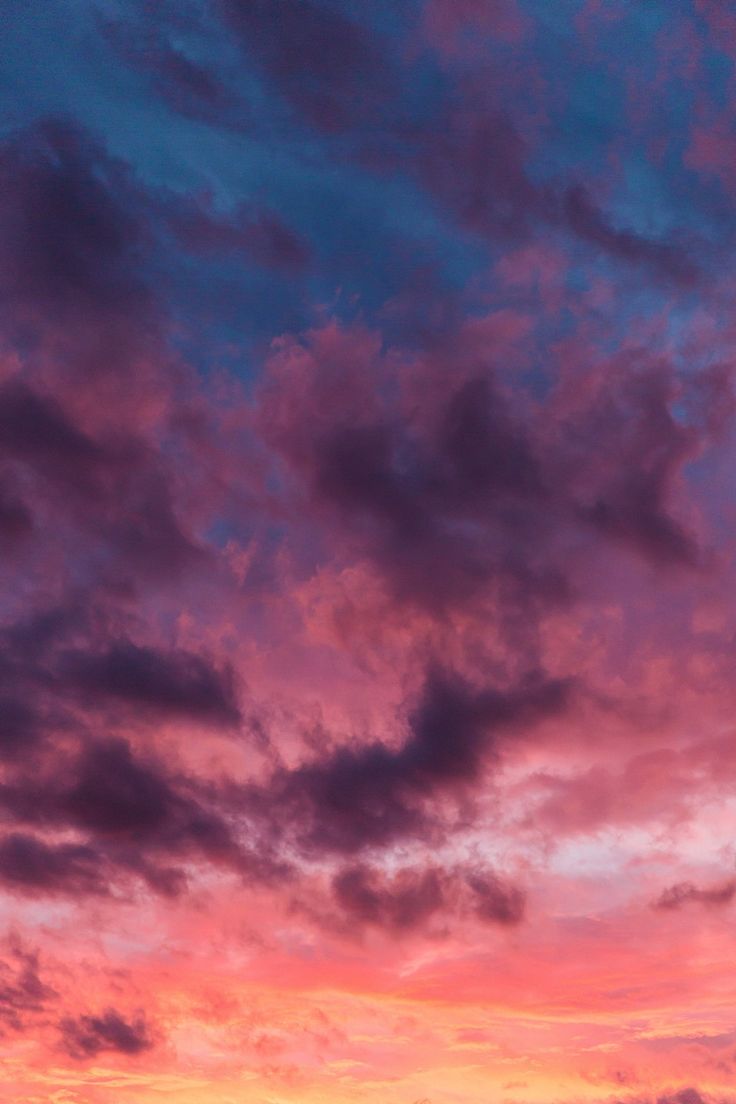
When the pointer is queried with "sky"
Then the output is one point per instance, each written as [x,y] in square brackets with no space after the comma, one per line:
[367,534]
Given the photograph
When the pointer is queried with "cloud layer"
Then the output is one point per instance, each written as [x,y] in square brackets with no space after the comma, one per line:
[366,525]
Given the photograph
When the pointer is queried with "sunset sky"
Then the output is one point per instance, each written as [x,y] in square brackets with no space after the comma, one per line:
[367,543]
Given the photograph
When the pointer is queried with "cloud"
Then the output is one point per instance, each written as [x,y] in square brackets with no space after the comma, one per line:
[16,518]
[35,431]
[457,494]
[400,904]
[459,29]
[684,893]
[356,377]
[27,864]
[372,794]
[669,260]
[87,1036]
[116,488]
[22,991]
[19,726]
[250,232]
[495,901]
[410,898]
[178,683]
[190,88]
[684,1096]
[631,506]
[444,509]
[134,818]
[476,161]
[70,242]
[475,167]
[326,65]
[113,792]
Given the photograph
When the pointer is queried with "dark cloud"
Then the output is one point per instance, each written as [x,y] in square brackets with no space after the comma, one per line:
[495,901]
[176,682]
[633,513]
[136,819]
[36,633]
[16,518]
[122,489]
[328,67]
[189,87]
[19,727]
[88,1036]
[255,234]
[469,497]
[22,991]
[133,817]
[474,160]
[486,452]
[372,794]
[685,893]
[664,258]
[400,903]
[410,898]
[32,702]
[35,430]
[146,531]
[684,1096]
[633,421]
[447,511]
[29,865]
[114,793]
[76,235]
[357,470]
[69,242]
[116,796]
